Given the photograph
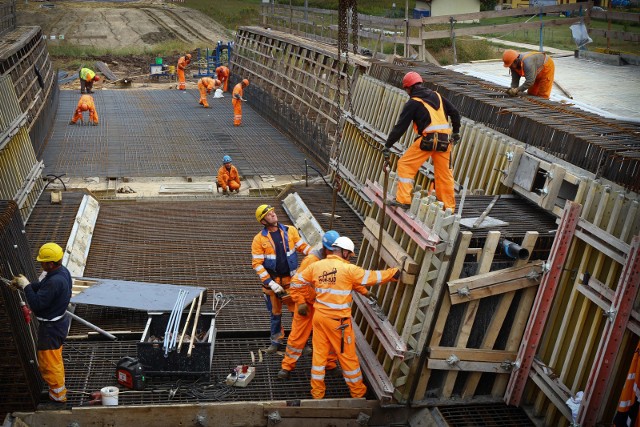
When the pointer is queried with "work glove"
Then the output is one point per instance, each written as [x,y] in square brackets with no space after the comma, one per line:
[371,296]
[386,153]
[243,100]
[303,310]
[20,281]
[455,138]
[512,91]
[397,275]
[276,288]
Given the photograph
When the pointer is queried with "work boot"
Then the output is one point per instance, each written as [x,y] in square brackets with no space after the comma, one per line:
[89,91]
[225,192]
[284,374]
[272,348]
[397,204]
[307,351]
[72,122]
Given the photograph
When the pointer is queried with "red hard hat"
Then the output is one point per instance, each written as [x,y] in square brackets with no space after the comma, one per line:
[84,107]
[246,82]
[508,57]
[410,79]
[96,78]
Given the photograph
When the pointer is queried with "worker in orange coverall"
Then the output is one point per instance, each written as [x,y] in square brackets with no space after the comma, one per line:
[85,104]
[627,413]
[333,279]
[274,257]
[429,112]
[538,71]
[183,62]
[303,319]
[228,178]
[205,86]
[238,92]
[223,75]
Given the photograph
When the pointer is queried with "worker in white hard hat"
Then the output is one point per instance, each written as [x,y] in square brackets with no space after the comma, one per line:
[48,298]
[333,279]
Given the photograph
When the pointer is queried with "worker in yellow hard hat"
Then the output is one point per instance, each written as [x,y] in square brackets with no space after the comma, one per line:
[85,104]
[237,100]
[48,298]
[205,86]
[183,62]
[87,77]
[538,71]
[274,258]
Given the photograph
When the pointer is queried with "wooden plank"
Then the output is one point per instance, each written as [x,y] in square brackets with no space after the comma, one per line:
[392,247]
[472,354]
[523,11]
[498,28]
[312,412]
[493,367]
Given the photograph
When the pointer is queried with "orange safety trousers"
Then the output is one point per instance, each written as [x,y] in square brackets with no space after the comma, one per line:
[274,304]
[327,337]
[409,164]
[93,114]
[300,330]
[182,81]
[544,80]
[51,368]
[203,94]
[237,112]
[230,183]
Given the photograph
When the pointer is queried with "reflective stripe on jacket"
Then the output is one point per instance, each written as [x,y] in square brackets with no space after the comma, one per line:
[302,294]
[439,122]
[263,251]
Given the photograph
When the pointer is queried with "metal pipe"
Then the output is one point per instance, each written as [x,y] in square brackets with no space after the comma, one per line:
[514,250]
[92,326]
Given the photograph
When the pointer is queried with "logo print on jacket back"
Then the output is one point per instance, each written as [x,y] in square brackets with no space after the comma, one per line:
[328,277]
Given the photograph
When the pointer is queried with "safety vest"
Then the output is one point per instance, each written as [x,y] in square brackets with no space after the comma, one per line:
[439,122]
[87,74]
[264,251]
[520,70]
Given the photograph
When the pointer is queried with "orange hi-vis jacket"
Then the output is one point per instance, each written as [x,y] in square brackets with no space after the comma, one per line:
[263,252]
[226,176]
[208,83]
[333,279]
[302,294]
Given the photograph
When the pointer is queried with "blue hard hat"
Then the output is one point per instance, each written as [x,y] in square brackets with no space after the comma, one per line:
[226,159]
[328,238]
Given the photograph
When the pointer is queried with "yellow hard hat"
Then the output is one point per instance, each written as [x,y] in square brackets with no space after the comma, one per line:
[50,252]
[262,211]
[508,57]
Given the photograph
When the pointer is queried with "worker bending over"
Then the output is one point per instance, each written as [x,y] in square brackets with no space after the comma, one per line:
[85,104]
[238,92]
[48,299]
[183,62]
[228,178]
[275,259]
[87,77]
[302,323]
[537,68]
[429,112]
[223,75]
[205,86]
[333,279]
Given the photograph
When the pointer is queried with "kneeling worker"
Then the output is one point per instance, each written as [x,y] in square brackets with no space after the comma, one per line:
[85,104]
[538,71]
[205,86]
[228,178]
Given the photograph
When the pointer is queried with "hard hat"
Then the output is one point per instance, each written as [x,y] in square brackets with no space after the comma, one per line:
[262,211]
[246,82]
[329,238]
[96,78]
[84,107]
[410,79]
[226,159]
[344,243]
[50,252]
[508,57]
[188,56]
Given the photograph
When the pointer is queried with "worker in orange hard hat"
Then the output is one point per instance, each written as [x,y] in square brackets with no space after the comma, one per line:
[538,71]
[334,278]
[429,112]
[205,86]
[48,298]
[183,62]
[87,77]
[223,75]
[228,177]
[237,100]
[85,104]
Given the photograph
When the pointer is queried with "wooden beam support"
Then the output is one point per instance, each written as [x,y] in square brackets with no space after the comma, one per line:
[383,329]
[394,252]
[463,366]
[378,379]
[472,354]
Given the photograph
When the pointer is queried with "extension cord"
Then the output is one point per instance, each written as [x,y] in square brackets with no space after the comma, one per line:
[239,378]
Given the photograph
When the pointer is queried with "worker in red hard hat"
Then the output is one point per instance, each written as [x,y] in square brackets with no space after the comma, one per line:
[430,113]
[49,298]
[228,177]
[183,62]
[87,77]
[237,100]
[222,73]
[85,104]
[205,86]
[538,71]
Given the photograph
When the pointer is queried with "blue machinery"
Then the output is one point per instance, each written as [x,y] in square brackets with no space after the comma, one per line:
[208,60]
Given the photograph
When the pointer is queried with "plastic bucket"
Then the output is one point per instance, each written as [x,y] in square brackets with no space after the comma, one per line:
[109,396]
[172,69]
[158,61]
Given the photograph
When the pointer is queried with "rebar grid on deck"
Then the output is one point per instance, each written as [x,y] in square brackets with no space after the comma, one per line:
[489,415]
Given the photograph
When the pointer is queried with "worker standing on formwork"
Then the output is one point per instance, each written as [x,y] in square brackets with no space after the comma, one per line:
[538,71]
[205,86]
[333,279]
[238,93]
[275,259]
[87,77]
[49,298]
[305,297]
[85,104]
[183,62]
[228,178]
[429,112]
[223,75]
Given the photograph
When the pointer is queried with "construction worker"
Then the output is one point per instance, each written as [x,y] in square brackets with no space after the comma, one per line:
[537,68]
[205,86]
[238,92]
[228,178]
[183,62]
[333,279]
[429,111]
[48,299]
[274,259]
[85,104]
[87,77]
[223,75]
[302,319]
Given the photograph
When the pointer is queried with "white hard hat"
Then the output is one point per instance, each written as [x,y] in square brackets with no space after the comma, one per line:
[344,243]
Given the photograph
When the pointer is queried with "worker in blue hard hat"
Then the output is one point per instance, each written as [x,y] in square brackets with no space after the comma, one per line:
[228,178]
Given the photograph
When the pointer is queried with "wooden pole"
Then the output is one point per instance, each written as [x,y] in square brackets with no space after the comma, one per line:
[186,323]
[195,325]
